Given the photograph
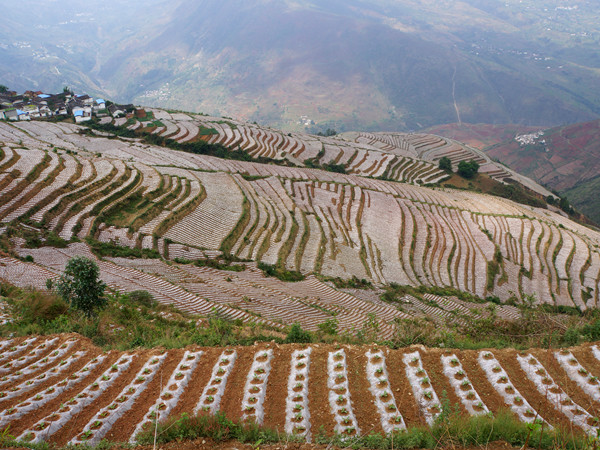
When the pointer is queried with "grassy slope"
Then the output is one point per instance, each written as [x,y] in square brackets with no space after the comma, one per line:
[586,197]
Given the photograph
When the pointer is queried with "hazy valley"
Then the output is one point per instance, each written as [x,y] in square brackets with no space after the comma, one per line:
[375,65]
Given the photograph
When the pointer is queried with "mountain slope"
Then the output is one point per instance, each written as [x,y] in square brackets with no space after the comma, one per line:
[183,204]
[373,64]
[480,135]
[566,159]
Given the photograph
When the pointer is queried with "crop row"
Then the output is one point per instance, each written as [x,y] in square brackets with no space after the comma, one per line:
[343,390]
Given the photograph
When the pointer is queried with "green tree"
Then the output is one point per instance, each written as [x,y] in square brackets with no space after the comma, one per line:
[566,206]
[445,164]
[468,169]
[80,285]
[3,89]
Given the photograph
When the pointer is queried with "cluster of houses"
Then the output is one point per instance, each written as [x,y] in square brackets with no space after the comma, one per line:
[36,105]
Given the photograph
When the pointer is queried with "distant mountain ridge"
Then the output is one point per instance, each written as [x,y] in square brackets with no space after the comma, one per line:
[370,65]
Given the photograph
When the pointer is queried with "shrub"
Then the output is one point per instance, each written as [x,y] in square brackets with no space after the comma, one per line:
[278,272]
[467,169]
[143,298]
[445,164]
[330,326]
[298,335]
[37,307]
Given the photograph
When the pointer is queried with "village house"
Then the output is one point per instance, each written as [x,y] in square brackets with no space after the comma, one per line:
[32,111]
[99,105]
[11,114]
[22,115]
[116,110]
[36,104]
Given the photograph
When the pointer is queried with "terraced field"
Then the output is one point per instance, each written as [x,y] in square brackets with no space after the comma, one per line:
[63,390]
[366,160]
[195,206]
[432,148]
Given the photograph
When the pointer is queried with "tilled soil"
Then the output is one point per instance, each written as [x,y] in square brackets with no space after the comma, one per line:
[322,419]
